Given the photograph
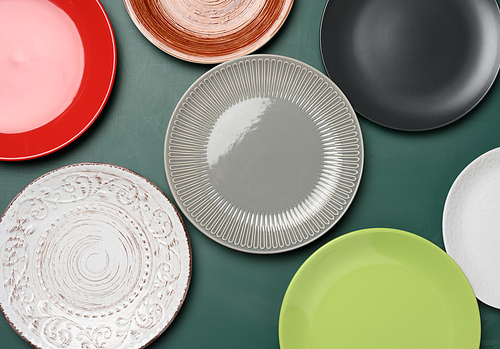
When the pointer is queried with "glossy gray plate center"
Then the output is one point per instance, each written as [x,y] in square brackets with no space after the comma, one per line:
[262,152]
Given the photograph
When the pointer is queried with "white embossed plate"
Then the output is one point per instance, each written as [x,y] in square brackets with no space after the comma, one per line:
[471,225]
[263,154]
[93,256]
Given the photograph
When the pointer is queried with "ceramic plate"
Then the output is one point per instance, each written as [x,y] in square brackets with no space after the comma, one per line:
[380,289]
[93,256]
[58,63]
[263,154]
[208,31]
[470,225]
[412,65]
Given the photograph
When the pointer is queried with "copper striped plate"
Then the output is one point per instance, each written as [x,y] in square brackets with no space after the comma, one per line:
[208,31]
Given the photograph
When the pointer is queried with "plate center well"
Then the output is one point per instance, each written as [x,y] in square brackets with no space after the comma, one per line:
[411,39]
[41,64]
[264,154]
[91,261]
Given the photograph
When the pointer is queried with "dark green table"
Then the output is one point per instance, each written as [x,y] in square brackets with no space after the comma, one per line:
[234,298]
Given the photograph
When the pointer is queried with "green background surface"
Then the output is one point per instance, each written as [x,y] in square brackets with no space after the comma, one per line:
[235,298]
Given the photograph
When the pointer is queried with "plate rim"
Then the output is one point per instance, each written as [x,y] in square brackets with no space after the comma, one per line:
[209,59]
[73,109]
[198,225]
[153,187]
[487,86]
[370,231]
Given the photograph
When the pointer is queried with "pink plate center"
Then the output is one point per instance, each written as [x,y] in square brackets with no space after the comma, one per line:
[41,63]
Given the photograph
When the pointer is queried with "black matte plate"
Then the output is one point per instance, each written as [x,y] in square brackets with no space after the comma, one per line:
[412,64]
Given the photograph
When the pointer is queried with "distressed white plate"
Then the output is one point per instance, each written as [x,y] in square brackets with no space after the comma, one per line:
[471,225]
[93,256]
[263,154]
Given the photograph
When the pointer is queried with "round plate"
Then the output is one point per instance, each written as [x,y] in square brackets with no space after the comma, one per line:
[379,288]
[99,54]
[93,256]
[470,225]
[208,31]
[412,65]
[263,154]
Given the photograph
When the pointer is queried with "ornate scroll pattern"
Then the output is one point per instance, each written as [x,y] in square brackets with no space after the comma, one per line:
[93,256]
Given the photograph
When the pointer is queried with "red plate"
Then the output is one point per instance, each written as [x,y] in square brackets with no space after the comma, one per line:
[99,54]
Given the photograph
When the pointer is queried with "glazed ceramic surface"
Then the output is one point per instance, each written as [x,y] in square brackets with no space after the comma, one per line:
[263,154]
[93,256]
[470,225]
[379,288]
[412,65]
[208,31]
[41,71]
[58,65]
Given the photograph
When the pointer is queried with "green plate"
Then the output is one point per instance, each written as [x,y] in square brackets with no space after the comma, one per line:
[379,288]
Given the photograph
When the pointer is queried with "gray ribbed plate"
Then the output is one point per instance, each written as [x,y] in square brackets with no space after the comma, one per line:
[263,154]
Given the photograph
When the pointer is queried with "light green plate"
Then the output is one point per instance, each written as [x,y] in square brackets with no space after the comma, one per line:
[379,288]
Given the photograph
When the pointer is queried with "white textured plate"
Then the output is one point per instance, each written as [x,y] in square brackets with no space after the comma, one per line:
[93,256]
[471,225]
[263,154]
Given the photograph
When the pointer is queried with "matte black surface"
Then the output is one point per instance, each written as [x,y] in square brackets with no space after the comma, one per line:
[412,64]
